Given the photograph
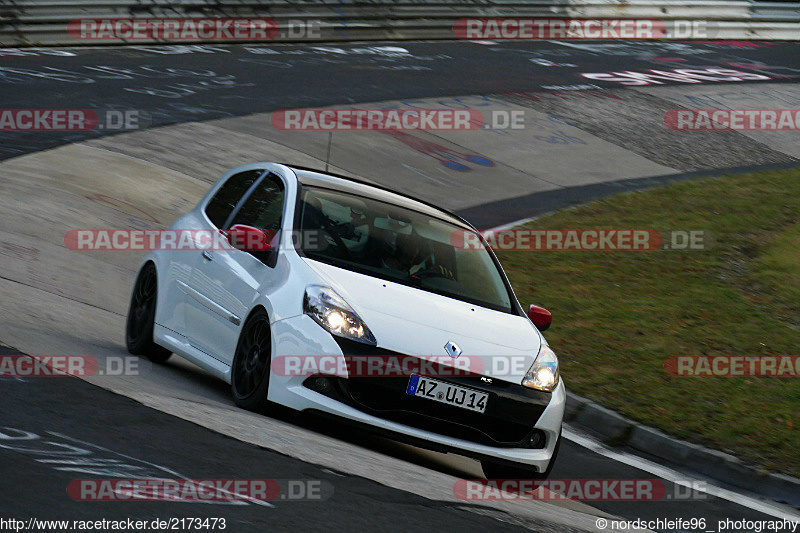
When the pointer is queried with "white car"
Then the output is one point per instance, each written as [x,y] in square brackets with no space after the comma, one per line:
[320,273]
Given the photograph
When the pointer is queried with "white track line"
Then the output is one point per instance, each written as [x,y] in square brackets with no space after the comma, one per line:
[678,478]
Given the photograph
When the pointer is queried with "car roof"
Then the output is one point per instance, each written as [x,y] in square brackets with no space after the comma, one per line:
[317,178]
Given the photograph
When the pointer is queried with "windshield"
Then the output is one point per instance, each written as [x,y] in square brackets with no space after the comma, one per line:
[398,244]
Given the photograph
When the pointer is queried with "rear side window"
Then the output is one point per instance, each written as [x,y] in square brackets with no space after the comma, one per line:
[221,205]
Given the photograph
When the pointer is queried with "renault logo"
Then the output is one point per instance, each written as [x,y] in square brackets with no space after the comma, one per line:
[452,349]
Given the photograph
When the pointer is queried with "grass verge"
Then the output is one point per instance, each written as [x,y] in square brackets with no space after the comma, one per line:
[619,315]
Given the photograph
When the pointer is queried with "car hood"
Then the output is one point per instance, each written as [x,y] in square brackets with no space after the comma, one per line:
[414,322]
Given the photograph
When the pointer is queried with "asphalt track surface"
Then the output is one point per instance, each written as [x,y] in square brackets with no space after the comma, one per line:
[56,430]
[187,83]
[68,415]
[173,85]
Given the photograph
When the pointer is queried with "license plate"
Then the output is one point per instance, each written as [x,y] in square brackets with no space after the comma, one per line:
[439,391]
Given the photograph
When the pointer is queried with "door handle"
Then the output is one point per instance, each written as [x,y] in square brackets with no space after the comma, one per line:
[207,256]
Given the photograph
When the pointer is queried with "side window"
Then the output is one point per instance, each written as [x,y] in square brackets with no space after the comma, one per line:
[221,205]
[264,208]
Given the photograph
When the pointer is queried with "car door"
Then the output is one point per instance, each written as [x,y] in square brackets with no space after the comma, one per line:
[209,218]
[179,292]
[229,281]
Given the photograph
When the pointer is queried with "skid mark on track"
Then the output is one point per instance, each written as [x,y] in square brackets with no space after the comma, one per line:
[68,454]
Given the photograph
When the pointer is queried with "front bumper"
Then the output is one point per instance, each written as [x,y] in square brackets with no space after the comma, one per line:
[514,414]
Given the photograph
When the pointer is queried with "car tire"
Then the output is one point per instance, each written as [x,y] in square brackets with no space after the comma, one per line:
[251,364]
[141,317]
[492,470]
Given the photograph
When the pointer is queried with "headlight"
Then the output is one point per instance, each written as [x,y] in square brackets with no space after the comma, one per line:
[331,312]
[543,375]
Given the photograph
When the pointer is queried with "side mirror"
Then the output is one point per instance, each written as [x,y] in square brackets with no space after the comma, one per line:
[541,317]
[249,239]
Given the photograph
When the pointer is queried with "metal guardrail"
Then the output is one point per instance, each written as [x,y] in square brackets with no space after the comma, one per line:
[44,22]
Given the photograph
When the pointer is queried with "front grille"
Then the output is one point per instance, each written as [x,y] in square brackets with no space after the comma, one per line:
[511,411]
[390,401]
